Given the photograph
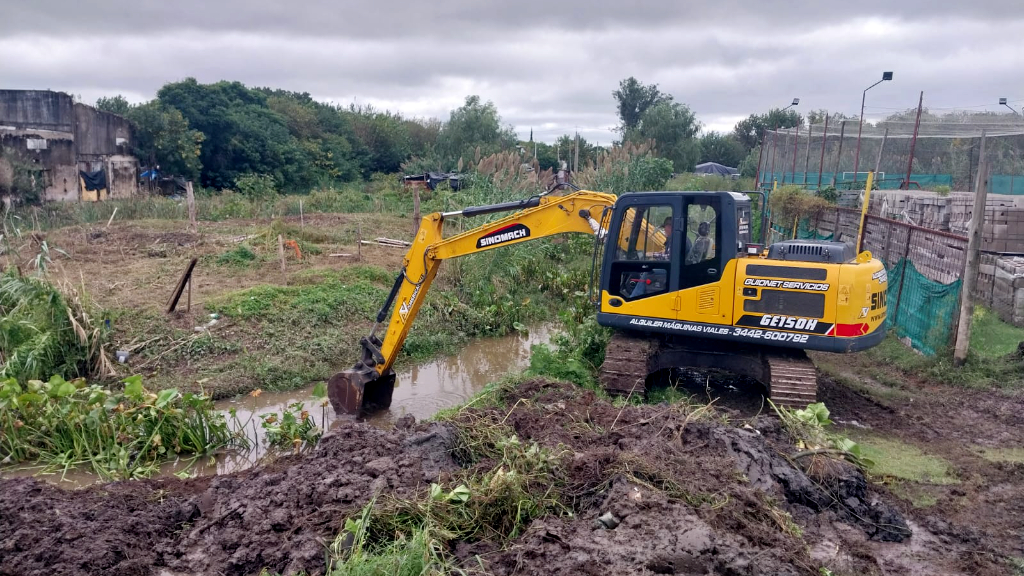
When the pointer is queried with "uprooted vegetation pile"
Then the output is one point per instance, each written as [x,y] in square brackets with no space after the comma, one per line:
[546,478]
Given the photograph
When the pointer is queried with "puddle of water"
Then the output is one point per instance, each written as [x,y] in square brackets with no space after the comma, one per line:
[420,391]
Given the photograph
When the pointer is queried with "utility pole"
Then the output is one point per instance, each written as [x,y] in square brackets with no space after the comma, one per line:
[807,155]
[821,162]
[576,161]
[842,135]
[913,141]
[971,267]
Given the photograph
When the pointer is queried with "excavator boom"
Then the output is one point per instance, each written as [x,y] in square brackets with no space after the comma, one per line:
[368,385]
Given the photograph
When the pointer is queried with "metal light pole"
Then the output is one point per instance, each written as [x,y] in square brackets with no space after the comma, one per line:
[856,156]
[1002,102]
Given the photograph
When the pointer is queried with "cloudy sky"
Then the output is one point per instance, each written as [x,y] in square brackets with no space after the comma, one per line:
[547,64]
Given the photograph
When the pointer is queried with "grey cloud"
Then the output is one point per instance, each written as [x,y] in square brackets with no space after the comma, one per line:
[547,65]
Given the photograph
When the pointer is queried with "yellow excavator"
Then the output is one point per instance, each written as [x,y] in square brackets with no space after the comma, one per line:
[679,279]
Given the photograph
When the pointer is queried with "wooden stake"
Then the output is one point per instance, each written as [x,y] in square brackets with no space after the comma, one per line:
[190,198]
[189,309]
[971,267]
[280,252]
[185,277]
[112,214]
[302,220]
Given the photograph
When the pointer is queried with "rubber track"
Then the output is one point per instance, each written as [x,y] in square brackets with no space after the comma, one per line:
[624,370]
[794,380]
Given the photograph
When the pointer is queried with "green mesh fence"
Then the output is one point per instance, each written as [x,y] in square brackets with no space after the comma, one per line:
[921,309]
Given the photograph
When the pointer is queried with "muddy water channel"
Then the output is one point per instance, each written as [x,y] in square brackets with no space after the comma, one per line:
[420,391]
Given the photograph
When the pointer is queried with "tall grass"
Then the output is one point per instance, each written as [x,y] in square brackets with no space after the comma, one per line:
[118,434]
[47,329]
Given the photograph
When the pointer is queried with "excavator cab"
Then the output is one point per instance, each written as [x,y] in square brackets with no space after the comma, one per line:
[666,242]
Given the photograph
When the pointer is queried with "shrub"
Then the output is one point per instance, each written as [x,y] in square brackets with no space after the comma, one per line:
[257,186]
[793,202]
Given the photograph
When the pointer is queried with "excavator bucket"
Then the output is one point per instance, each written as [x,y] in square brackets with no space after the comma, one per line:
[360,391]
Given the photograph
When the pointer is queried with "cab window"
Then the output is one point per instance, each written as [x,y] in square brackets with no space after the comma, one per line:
[701,264]
[643,264]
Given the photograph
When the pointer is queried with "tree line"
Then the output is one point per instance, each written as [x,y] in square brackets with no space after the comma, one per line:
[216,133]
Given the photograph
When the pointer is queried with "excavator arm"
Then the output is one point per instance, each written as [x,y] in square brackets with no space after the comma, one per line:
[369,384]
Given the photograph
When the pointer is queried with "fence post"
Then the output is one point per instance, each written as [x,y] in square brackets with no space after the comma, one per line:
[796,143]
[839,155]
[415,210]
[971,267]
[913,141]
[821,163]
[190,199]
[903,274]
[807,153]
[878,161]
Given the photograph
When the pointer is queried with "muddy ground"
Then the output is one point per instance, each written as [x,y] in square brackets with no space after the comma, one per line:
[691,494]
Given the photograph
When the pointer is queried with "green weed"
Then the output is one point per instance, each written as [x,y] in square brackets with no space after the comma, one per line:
[810,427]
[415,552]
[896,459]
[494,505]
[64,424]
[293,429]
[240,256]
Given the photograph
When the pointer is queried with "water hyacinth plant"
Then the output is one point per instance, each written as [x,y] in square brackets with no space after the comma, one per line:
[117,434]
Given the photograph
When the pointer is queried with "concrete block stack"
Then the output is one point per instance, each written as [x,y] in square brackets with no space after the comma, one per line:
[986,278]
[925,209]
[1003,230]
[1008,289]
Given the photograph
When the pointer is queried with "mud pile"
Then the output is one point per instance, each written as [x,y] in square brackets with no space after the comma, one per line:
[280,516]
[657,489]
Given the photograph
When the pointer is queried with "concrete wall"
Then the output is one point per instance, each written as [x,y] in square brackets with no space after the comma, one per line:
[40,109]
[48,160]
[97,132]
[122,176]
[47,136]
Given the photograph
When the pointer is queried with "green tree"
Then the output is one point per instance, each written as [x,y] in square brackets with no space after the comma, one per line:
[721,148]
[473,125]
[385,136]
[748,167]
[750,131]
[818,117]
[163,138]
[634,99]
[673,127]
[115,104]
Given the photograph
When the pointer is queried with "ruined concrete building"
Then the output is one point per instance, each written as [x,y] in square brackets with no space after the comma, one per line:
[54,149]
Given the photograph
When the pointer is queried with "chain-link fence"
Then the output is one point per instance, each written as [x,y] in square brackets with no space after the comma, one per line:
[941,152]
[924,268]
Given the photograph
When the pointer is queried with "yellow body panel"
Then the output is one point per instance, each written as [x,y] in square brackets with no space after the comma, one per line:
[851,296]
